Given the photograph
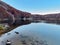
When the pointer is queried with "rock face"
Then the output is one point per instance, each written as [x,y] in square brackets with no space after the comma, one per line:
[11,15]
[53,18]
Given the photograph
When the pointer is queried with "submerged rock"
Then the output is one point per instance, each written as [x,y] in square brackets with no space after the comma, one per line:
[16,32]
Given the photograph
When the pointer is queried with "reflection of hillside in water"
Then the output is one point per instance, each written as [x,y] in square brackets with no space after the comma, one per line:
[25,22]
[13,26]
[48,21]
[53,22]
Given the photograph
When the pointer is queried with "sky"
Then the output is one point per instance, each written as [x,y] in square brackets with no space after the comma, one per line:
[36,6]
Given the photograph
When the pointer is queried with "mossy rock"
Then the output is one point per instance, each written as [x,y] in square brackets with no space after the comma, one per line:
[1,28]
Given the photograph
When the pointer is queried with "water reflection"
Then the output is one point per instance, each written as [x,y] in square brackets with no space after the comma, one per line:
[34,34]
[26,22]
[12,26]
[53,22]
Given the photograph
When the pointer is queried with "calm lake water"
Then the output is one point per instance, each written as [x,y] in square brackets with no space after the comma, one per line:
[33,34]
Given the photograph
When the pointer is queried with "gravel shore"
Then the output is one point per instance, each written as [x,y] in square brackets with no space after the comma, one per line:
[12,37]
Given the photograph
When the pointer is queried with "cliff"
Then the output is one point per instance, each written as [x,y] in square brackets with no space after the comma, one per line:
[12,17]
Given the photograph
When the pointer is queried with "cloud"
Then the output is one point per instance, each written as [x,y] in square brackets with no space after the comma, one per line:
[43,13]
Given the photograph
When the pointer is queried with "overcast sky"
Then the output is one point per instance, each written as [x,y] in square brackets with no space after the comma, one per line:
[36,6]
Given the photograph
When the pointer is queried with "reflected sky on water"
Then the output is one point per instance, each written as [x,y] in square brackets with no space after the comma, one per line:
[38,31]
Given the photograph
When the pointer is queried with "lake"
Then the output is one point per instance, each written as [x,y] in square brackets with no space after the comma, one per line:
[33,34]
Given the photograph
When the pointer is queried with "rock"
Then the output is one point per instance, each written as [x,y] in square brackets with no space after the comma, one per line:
[16,32]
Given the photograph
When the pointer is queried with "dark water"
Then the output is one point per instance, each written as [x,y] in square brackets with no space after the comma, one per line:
[34,34]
